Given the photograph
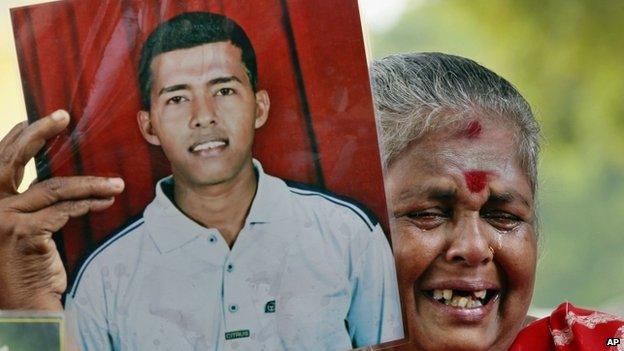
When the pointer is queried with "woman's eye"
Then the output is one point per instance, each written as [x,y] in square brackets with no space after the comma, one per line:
[502,220]
[176,100]
[225,92]
[428,219]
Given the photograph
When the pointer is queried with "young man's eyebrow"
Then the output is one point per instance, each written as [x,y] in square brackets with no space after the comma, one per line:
[220,80]
[172,88]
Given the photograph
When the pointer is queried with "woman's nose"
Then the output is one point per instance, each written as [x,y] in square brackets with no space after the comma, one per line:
[469,244]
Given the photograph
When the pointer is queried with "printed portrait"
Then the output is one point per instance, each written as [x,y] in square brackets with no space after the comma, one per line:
[253,215]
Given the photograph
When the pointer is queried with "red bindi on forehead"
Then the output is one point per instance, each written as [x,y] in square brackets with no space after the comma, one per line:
[476,180]
[473,131]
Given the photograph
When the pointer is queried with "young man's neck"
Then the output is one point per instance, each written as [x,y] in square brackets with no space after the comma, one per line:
[222,206]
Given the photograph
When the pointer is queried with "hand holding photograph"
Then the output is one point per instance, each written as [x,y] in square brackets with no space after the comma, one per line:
[205,102]
[249,211]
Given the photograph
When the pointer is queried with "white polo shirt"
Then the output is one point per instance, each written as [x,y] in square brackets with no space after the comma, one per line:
[308,271]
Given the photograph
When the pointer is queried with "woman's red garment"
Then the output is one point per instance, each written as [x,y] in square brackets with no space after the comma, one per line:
[572,329]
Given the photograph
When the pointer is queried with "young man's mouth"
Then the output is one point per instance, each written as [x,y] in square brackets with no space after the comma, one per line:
[208,146]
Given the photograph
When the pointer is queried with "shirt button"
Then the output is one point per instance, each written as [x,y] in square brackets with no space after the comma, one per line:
[230,267]
[212,239]
[233,308]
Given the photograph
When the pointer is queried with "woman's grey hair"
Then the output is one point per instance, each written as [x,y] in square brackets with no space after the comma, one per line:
[418,93]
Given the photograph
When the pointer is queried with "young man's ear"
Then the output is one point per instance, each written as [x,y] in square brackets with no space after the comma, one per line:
[146,127]
[262,108]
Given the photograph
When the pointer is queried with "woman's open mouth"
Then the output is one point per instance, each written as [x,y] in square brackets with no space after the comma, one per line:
[462,301]
[467,299]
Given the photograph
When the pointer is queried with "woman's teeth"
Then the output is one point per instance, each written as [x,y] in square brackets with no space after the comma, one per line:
[461,299]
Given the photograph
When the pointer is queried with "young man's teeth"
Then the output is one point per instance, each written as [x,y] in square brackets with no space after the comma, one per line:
[209,145]
[447,297]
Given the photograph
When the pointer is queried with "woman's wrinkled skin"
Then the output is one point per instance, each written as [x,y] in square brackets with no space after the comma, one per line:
[462,214]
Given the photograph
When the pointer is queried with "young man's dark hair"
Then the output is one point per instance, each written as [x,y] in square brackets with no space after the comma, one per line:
[189,30]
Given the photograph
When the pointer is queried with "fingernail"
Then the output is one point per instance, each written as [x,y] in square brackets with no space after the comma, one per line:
[116,183]
[60,115]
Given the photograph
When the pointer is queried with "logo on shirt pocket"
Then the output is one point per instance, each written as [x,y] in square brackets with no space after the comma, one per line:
[269,307]
[237,334]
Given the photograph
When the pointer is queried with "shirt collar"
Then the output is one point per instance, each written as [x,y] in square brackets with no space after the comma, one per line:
[271,200]
[170,228]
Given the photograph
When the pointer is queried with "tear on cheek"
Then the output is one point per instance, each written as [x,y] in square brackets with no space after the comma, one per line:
[476,180]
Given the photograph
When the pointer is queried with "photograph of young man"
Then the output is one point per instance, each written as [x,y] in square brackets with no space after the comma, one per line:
[227,257]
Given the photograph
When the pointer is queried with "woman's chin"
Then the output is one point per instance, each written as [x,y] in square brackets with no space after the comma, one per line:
[456,339]
[438,326]
[461,340]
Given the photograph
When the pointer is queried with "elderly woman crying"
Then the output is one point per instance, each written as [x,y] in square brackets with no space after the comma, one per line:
[459,146]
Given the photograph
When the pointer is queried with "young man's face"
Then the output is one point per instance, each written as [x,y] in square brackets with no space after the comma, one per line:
[204,112]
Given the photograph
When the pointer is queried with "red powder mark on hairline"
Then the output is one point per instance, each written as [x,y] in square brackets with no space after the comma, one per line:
[476,180]
[473,130]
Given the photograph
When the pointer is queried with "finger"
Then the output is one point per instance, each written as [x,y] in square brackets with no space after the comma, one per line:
[33,243]
[40,244]
[51,191]
[35,135]
[59,283]
[13,134]
[51,219]
[79,208]
[22,144]
[8,173]
[35,181]
[46,256]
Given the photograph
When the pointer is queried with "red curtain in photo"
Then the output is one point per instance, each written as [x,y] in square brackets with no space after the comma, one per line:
[81,55]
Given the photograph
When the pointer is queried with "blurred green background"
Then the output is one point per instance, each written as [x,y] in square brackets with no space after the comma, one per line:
[567,59]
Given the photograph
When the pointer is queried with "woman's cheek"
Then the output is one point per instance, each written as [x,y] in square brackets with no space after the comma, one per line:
[413,252]
[517,254]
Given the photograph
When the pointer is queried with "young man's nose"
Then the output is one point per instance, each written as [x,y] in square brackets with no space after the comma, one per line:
[204,113]
[468,242]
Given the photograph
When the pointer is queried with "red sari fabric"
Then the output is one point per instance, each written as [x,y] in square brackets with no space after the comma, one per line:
[570,328]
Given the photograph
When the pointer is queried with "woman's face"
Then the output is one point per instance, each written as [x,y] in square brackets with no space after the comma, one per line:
[464,238]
